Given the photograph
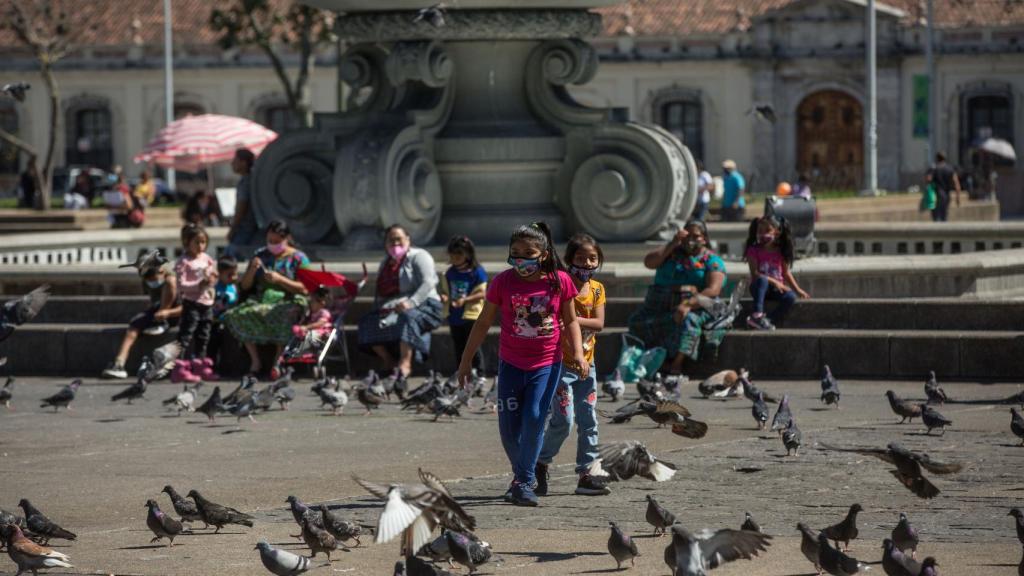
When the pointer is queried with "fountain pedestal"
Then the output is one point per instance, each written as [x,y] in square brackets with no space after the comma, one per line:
[468,128]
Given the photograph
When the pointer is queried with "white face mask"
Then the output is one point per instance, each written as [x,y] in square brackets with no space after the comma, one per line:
[154,284]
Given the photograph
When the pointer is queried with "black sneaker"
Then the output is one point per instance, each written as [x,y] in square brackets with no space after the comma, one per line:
[542,479]
[508,493]
[592,486]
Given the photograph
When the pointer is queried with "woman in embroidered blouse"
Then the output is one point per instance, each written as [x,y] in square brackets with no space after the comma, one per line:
[671,316]
[275,298]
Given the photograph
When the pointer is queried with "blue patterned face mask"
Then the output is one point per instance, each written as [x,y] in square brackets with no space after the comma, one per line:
[581,274]
[524,266]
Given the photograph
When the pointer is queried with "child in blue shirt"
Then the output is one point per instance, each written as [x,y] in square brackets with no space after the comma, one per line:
[464,296]
[225,296]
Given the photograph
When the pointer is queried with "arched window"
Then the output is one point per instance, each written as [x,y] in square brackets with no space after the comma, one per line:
[277,117]
[987,112]
[89,131]
[685,119]
[8,153]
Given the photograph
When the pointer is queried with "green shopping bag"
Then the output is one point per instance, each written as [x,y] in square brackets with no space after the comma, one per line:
[635,362]
[929,198]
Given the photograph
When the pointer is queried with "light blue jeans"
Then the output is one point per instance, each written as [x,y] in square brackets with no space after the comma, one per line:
[581,395]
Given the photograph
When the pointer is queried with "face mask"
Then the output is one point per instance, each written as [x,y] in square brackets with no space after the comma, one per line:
[693,246]
[397,252]
[582,274]
[154,284]
[524,266]
[278,248]
[767,238]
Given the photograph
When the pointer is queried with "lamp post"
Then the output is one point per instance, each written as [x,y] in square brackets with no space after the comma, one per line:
[929,51]
[871,138]
[168,82]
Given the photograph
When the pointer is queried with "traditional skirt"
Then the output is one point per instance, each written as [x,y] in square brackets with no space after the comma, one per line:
[654,324]
[412,327]
[263,323]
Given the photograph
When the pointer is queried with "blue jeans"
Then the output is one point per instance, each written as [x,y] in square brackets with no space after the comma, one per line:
[581,395]
[524,399]
[761,289]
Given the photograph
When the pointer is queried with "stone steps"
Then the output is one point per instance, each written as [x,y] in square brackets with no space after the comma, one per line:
[84,349]
[26,221]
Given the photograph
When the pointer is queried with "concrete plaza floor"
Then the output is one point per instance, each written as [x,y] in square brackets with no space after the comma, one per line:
[92,470]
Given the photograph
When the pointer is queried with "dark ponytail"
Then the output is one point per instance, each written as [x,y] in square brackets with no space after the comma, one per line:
[539,234]
[785,239]
[751,236]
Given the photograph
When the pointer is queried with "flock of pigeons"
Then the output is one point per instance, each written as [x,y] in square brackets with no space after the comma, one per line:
[413,512]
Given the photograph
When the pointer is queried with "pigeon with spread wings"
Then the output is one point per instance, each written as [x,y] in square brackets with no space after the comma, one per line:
[623,460]
[909,466]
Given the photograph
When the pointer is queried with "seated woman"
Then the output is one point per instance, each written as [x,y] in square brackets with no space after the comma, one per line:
[671,315]
[406,304]
[203,209]
[275,301]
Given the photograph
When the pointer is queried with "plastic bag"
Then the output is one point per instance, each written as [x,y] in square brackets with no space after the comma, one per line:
[635,362]
[929,198]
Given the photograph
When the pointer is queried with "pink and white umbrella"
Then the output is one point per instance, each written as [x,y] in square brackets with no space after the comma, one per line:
[194,142]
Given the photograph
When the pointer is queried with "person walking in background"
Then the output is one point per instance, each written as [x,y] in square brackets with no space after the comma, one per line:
[733,187]
[945,180]
[705,187]
[244,229]
[802,188]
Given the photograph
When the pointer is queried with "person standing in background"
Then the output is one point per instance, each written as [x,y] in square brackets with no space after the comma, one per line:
[733,187]
[244,230]
[705,186]
[945,180]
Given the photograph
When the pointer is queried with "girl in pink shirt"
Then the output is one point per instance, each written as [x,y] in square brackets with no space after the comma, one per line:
[769,254]
[197,275]
[531,299]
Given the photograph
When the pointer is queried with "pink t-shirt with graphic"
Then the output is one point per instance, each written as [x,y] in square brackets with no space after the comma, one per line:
[190,273]
[766,262]
[530,318]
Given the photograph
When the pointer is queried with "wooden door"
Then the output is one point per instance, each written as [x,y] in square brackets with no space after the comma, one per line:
[830,150]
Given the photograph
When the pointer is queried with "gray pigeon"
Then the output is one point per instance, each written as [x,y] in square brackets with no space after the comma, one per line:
[16,312]
[217,515]
[282,562]
[809,545]
[212,405]
[759,410]
[7,392]
[835,562]
[623,460]
[750,390]
[906,410]
[935,394]
[159,363]
[184,400]
[614,386]
[242,392]
[846,530]
[284,395]
[370,397]
[621,547]
[63,398]
[658,516]
[905,537]
[749,523]
[829,388]
[332,395]
[437,550]
[1019,521]
[933,419]
[417,567]
[162,525]
[243,409]
[42,527]
[146,261]
[792,438]
[696,554]
[133,392]
[782,415]
[467,550]
[1017,424]
[909,466]
[895,563]
[186,510]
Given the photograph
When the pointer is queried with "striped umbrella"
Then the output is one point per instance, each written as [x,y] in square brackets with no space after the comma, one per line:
[193,142]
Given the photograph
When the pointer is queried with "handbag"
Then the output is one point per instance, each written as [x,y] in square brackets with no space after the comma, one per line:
[136,216]
[635,362]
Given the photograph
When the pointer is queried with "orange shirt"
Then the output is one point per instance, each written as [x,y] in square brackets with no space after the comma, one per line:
[586,304]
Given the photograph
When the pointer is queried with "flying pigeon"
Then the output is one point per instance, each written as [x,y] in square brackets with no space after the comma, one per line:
[184,400]
[621,547]
[696,554]
[749,523]
[763,112]
[904,536]
[829,388]
[63,398]
[467,549]
[16,312]
[623,460]
[186,510]
[614,386]
[723,312]
[318,539]
[340,528]
[904,409]
[212,405]
[662,412]
[42,527]
[782,415]
[146,261]
[846,530]
[835,562]
[933,419]
[16,90]
[434,15]
[895,563]
[720,385]
[159,362]
[412,511]
[750,390]
[282,562]
[759,410]
[1019,520]
[658,516]
[28,555]
[935,394]
[7,392]
[792,437]
[908,466]
[162,525]
[216,515]
[809,545]
[1017,424]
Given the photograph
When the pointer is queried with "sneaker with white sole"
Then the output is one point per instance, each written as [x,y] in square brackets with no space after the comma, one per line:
[592,486]
[115,370]
[156,329]
[759,323]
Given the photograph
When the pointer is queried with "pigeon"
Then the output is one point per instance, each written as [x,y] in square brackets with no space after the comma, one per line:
[281,562]
[42,527]
[243,409]
[467,549]
[338,527]
[720,385]
[933,419]
[302,513]
[16,312]
[212,405]
[658,516]
[159,362]
[623,460]
[184,400]
[162,525]
[9,518]
[908,466]
[782,415]
[264,399]
[902,408]
[186,510]
[759,410]
[749,523]
[1018,517]
[28,555]
[614,386]
[145,261]
[696,554]
[445,406]
[335,397]
[621,547]
[835,562]
[369,397]
[413,510]
[217,515]
[133,392]
[763,112]
[284,394]
[723,312]
[935,394]
[792,438]
[437,550]
[491,398]
[648,388]
[7,392]
[476,382]
[809,545]
[422,396]
[662,412]
[846,530]
[417,567]
[242,392]
[928,567]
[904,536]
[1017,424]
[318,539]
[895,563]
[63,398]
[829,388]
[16,90]
[751,391]
[434,15]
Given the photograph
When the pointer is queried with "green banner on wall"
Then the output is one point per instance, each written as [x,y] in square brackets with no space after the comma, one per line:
[921,106]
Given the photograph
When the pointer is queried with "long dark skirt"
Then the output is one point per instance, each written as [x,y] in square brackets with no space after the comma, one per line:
[413,327]
[653,323]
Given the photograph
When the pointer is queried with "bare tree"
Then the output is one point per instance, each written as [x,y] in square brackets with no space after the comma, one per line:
[276,27]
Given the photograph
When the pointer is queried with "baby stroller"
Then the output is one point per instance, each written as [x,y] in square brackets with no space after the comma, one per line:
[313,348]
